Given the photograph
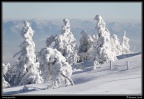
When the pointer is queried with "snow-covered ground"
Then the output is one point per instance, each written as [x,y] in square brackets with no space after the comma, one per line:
[103,81]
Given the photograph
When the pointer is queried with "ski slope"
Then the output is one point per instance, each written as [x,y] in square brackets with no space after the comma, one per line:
[102,81]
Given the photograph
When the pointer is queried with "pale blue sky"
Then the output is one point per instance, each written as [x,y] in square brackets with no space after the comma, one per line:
[71,10]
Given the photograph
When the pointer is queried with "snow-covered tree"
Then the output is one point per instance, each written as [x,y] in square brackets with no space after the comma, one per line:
[5,84]
[85,43]
[10,73]
[12,70]
[27,67]
[115,45]
[125,44]
[54,67]
[101,50]
[65,43]
[95,64]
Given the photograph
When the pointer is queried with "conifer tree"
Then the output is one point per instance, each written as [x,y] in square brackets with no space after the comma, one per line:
[27,67]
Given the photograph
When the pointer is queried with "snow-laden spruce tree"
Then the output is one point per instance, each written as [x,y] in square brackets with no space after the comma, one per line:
[5,84]
[6,68]
[54,67]
[115,45]
[125,44]
[65,43]
[10,73]
[27,67]
[101,50]
[85,43]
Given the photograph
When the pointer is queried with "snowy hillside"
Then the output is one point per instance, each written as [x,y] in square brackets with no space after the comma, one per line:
[102,81]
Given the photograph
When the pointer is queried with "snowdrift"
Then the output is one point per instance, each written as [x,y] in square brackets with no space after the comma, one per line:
[103,81]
